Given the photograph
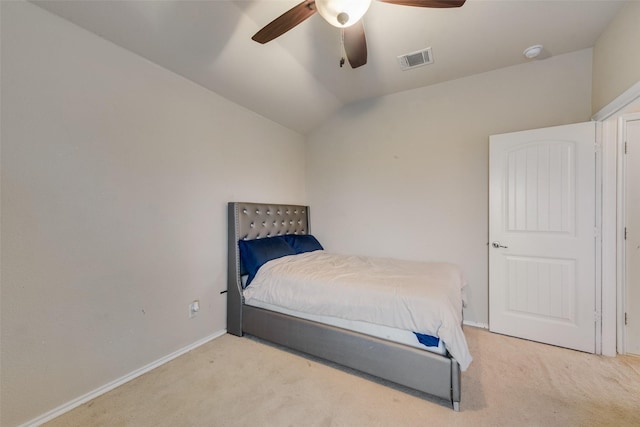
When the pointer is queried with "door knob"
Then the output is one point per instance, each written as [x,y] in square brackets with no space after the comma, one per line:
[497,244]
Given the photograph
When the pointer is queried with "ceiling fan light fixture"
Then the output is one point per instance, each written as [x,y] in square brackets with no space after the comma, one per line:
[342,13]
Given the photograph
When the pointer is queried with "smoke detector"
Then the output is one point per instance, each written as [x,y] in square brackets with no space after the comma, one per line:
[415,59]
[532,51]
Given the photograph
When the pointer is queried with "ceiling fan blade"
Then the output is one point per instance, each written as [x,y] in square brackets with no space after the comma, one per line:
[355,44]
[286,21]
[427,3]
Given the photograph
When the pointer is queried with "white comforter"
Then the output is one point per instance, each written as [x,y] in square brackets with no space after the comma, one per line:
[415,296]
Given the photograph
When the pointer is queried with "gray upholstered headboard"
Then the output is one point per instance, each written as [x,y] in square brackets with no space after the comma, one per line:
[248,221]
[256,220]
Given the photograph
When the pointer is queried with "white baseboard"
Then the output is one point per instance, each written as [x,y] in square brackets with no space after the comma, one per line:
[476,324]
[56,412]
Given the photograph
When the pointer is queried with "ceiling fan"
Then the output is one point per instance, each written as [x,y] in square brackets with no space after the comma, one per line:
[344,14]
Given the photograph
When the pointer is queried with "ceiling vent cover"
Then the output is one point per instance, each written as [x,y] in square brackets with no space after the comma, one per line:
[415,59]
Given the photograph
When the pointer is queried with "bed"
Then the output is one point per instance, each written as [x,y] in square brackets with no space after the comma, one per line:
[385,353]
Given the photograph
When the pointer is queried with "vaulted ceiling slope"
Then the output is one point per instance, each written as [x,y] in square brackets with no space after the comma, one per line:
[296,79]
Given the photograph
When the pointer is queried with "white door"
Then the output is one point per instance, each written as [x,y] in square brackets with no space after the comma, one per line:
[542,235]
[632,242]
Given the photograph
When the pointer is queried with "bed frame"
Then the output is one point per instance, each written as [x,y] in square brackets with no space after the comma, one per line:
[410,367]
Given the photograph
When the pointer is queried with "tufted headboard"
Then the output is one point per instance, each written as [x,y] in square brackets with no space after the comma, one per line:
[249,221]
[257,220]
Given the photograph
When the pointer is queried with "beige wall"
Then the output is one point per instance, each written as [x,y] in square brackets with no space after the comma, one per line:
[616,62]
[406,175]
[115,179]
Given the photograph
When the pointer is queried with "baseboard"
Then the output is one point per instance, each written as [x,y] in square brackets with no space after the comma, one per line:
[56,412]
[476,324]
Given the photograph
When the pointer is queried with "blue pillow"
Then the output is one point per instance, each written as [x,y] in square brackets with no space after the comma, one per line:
[303,243]
[254,253]
[427,340]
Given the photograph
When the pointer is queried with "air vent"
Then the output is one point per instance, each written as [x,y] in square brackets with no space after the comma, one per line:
[415,59]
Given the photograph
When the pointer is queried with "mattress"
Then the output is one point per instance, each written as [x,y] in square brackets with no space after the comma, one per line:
[379,331]
[401,295]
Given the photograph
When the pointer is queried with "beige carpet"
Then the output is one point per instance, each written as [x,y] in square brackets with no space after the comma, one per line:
[235,381]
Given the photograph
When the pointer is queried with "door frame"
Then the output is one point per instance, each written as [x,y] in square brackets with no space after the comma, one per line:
[598,226]
[622,284]
[612,229]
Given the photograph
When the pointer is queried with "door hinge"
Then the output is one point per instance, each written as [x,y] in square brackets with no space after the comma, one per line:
[597,317]
[625,147]
[625,233]
[626,319]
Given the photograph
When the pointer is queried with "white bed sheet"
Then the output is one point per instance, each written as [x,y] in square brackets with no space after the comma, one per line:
[406,295]
[385,332]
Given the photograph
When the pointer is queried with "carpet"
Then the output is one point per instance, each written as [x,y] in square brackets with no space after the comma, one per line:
[233,381]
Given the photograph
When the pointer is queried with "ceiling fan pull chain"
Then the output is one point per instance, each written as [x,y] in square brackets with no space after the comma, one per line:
[342,51]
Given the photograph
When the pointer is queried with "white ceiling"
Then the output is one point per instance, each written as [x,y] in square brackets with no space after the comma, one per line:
[296,80]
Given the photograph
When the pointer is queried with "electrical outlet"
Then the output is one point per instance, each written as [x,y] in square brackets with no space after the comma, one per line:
[194,308]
